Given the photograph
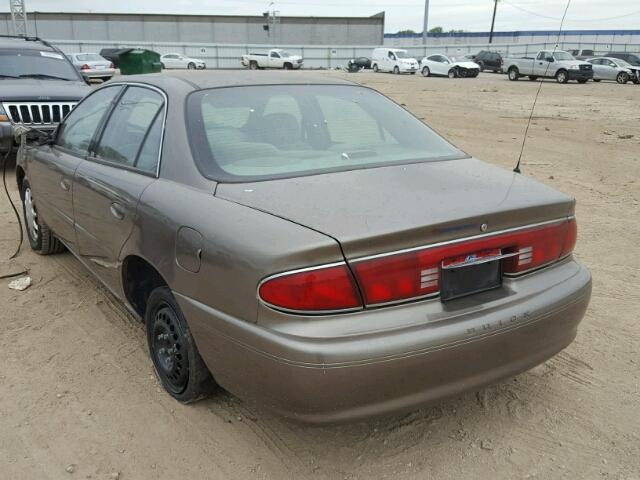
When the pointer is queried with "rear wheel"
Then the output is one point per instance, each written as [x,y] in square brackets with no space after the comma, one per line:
[453,73]
[583,80]
[426,72]
[622,78]
[375,67]
[562,76]
[396,70]
[162,67]
[253,65]
[513,74]
[41,238]
[596,79]
[175,357]
[481,65]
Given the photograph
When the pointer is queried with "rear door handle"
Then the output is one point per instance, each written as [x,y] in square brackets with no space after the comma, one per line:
[117,211]
[65,184]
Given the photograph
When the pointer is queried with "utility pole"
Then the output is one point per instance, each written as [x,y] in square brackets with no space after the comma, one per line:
[425,26]
[18,17]
[493,20]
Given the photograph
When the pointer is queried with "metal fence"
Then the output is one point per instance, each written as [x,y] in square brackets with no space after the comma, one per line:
[328,57]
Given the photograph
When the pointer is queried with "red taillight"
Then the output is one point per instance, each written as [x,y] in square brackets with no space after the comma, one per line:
[416,273]
[85,67]
[111,65]
[320,289]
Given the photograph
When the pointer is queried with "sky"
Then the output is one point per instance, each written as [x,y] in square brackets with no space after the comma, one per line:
[470,15]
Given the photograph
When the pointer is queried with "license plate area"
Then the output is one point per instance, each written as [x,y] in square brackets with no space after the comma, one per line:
[469,274]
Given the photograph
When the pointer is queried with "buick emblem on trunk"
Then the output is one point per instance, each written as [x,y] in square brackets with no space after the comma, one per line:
[483,227]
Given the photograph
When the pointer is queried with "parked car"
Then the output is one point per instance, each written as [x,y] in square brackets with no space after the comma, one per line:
[113,55]
[605,68]
[38,86]
[179,61]
[441,65]
[582,54]
[630,58]
[298,265]
[361,63]
[275,58]
[394,60]
[488,60]
[549,64]
[93,65]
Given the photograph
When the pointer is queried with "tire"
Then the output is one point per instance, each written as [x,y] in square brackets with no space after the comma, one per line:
[562,76]
[533,78]
[596,79]
[481,65]
[41,238]
[636,81]
[453,73]
[173,351]
[622,78]
[287,66]
[253,65]
[375,68]
[513,74]
[162,67]
[396,70]
[412,73]
[105,79]
[191,66]
[583,80]
[426,72]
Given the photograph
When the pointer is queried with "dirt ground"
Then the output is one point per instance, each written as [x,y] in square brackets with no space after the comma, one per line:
[78,397]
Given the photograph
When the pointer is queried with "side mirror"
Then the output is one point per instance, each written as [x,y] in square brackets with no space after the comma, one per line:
[550,59]
[86,79]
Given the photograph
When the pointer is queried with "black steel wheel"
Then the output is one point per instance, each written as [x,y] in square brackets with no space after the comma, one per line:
[175,356]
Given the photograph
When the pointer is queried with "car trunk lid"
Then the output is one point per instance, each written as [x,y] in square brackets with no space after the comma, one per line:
[380,210]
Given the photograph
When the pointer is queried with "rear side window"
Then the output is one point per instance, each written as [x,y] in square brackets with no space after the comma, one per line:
[262,132]
[77,130]
[130,126]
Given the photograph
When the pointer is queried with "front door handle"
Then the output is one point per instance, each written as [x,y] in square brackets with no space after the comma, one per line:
[65,184]
[117,211]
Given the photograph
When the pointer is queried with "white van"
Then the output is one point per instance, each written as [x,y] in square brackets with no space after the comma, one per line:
[393,60]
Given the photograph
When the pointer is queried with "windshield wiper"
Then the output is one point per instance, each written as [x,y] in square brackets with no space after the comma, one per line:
[44,75]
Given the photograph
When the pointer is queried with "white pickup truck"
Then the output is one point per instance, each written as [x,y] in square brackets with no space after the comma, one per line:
[276,58]
[549,64]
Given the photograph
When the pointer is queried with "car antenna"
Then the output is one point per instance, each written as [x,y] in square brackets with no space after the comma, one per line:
[535,100]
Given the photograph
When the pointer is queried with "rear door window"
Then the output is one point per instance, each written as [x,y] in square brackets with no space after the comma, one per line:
[129,126]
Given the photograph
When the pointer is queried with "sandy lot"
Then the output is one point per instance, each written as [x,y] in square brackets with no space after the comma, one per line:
[78,393]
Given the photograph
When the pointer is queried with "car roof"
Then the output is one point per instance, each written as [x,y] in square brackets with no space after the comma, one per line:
[232,78]
[22,43]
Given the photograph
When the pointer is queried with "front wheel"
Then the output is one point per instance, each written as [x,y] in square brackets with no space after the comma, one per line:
[426,72]
[396,70]
[562,76]
[513,74]
[287,66]
[453,73]
[173,351]
[622,78]
[191,66]
[41,238]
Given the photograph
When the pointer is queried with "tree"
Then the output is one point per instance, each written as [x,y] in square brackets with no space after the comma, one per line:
[436,30]
[456,31]
[406,32]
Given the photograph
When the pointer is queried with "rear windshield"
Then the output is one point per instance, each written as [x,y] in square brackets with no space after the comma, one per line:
[35,64]
[90,57]
[260,132]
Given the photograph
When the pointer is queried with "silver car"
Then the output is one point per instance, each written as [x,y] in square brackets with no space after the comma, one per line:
[93,65]
[608,68]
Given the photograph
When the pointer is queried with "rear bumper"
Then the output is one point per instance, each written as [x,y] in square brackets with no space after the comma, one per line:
[94,73]
[324,379]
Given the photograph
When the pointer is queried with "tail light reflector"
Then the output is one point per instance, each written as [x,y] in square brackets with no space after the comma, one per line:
[85,67]
[416,273]
[314,290]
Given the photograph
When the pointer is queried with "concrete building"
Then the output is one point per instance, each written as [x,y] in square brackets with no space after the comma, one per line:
[211,29]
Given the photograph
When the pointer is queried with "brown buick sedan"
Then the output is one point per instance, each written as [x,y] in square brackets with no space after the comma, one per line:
[305,241]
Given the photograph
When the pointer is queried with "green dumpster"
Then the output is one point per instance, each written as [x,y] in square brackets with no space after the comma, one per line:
[139,60]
